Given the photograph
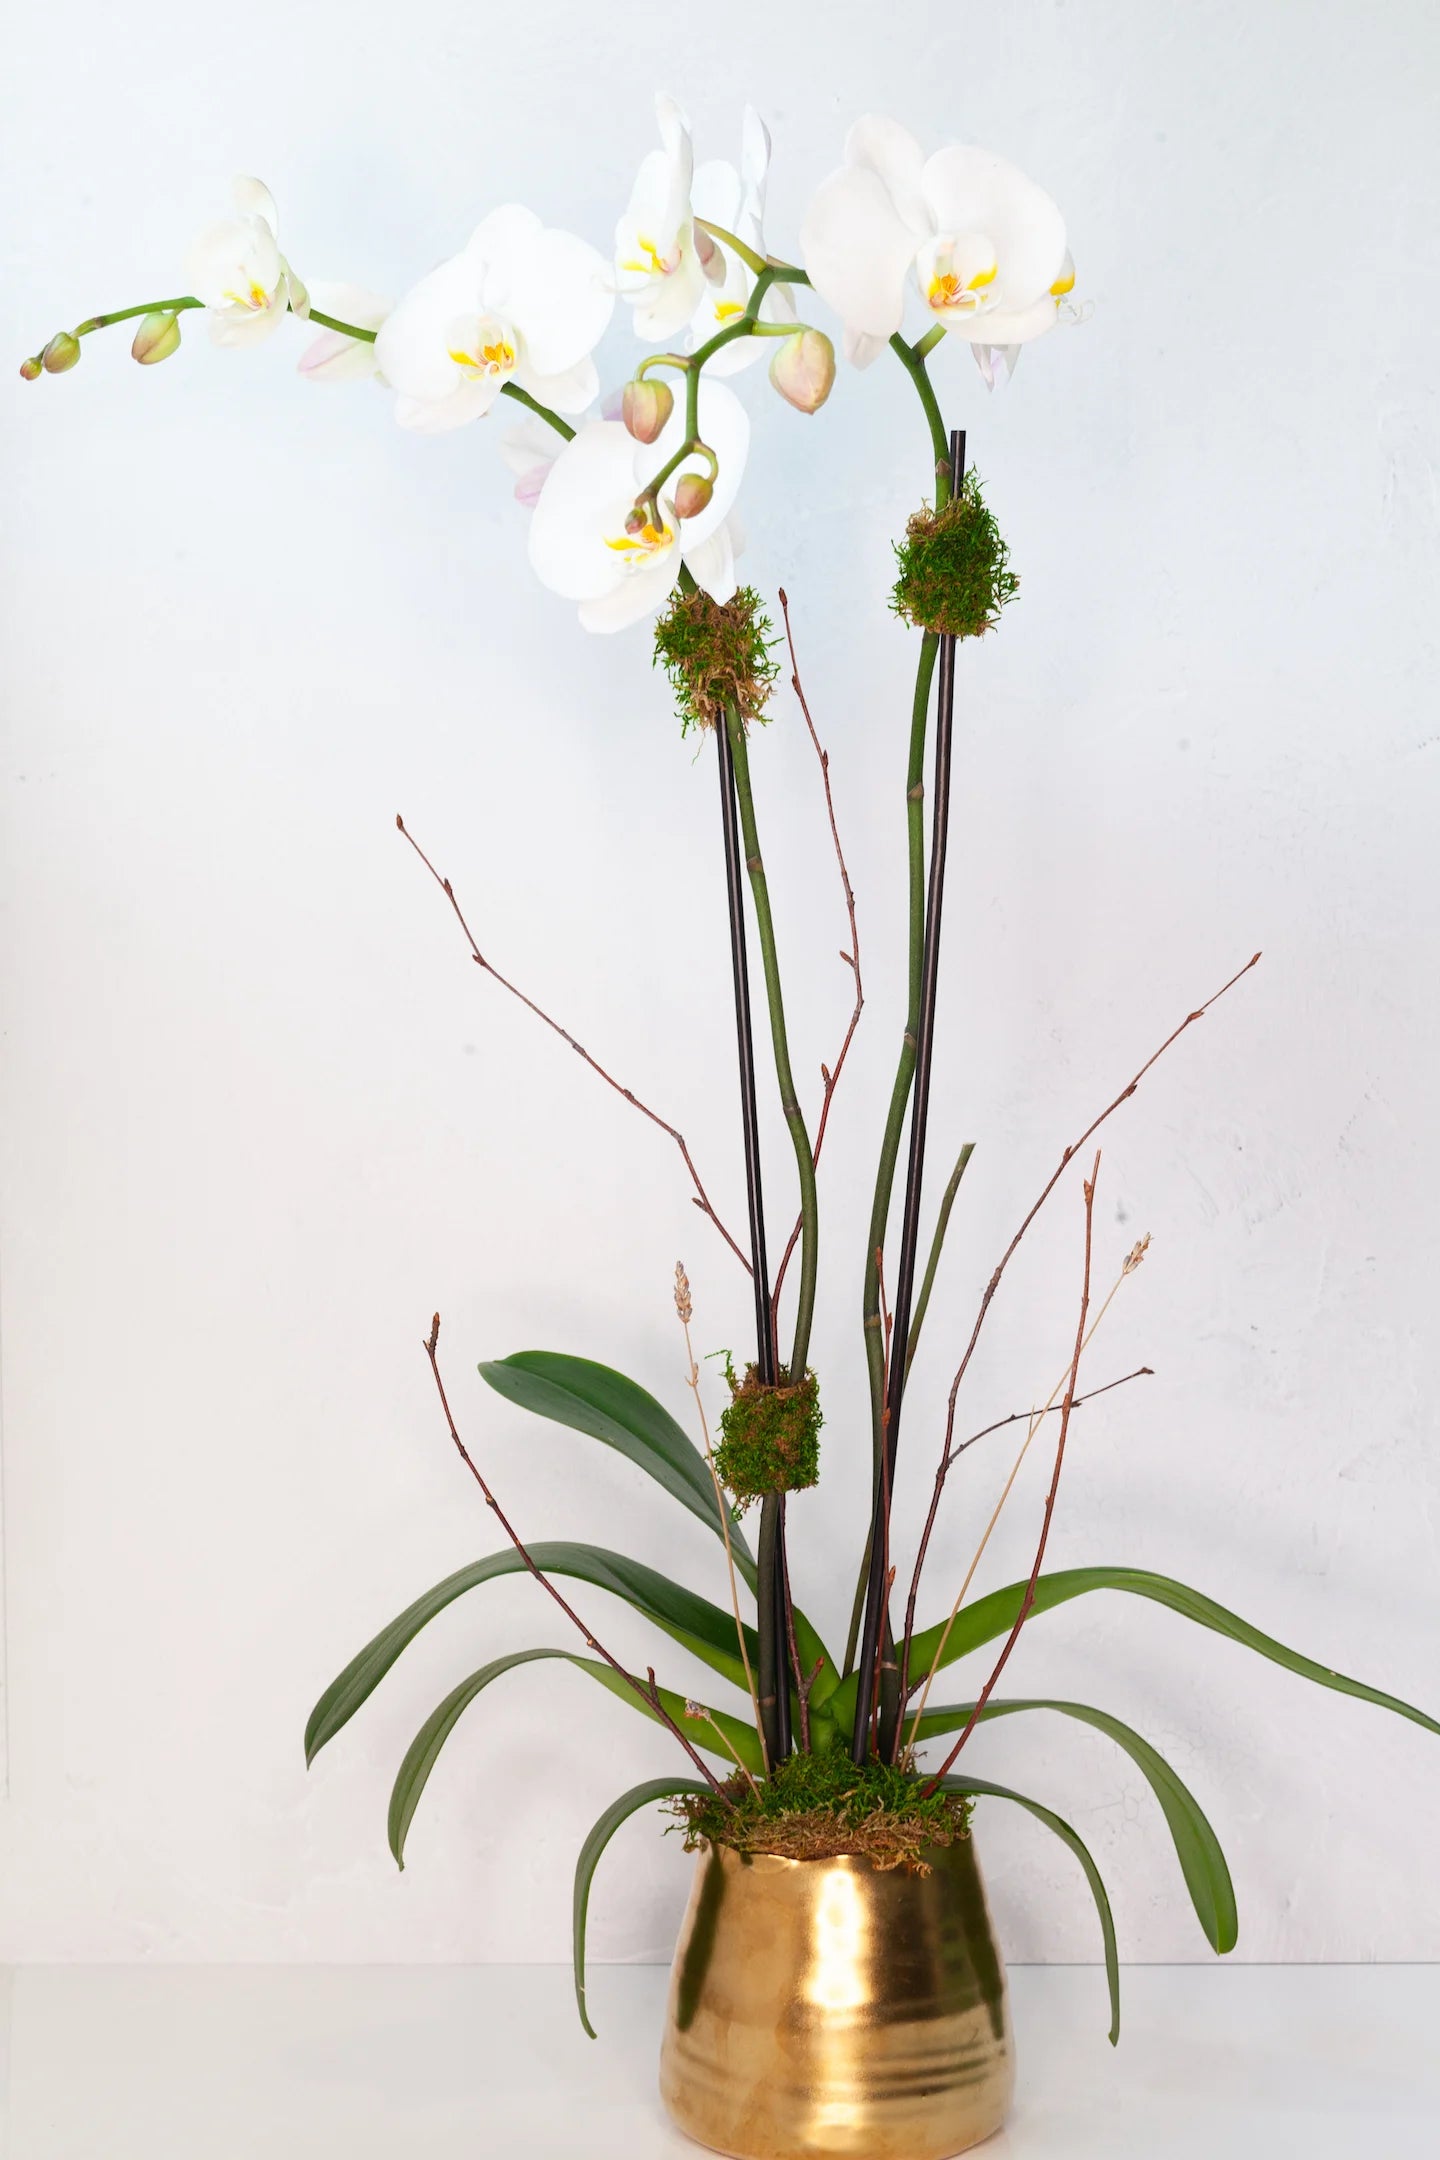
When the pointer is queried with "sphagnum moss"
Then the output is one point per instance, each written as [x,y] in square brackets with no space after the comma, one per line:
[820,1807]
[955,573]
[769,1436]
[716,653]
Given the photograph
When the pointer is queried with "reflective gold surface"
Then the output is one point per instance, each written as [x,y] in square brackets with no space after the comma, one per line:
[822,2007]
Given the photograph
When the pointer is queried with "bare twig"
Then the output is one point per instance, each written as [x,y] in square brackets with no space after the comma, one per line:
[685,1309]
[1028,1601]
[649,1695]
[947,1447]
[829,1074]
[1036,1420]
[702,1198]
[1017,1417]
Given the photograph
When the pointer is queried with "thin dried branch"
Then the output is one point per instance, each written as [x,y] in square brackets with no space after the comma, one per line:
[947,1451]
[685,1311]
[649,1694]
[1036,1419]
[1028,1601]
[1017,1417]
[829,1074]
[702,1198]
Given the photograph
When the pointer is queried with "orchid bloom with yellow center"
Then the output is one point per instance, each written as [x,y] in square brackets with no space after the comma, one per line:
[657,263]
[519,304]
[982,244]
[735,201]
[237,269]
[594,541]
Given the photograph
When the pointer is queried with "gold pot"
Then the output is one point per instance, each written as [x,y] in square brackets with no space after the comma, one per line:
[830,2007]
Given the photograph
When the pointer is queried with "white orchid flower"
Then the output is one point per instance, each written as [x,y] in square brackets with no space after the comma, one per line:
[984,245]
[580,545]
[334,357]
[657,265]
[529,450]
[521,304]
[237,269]
[736,201]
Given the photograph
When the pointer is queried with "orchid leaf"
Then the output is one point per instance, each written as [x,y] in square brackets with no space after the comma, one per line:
[424,1750]
[1197,1848]
[993,1616]
[702,1628]
[1081,1850]
[619,1811]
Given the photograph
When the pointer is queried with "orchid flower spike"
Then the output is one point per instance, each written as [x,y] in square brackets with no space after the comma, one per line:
[657,263]
[590,542]
[736,201]
[520,304]
[237,269]
[983,244]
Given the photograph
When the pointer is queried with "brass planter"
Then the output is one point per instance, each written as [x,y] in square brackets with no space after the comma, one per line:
[826,2007]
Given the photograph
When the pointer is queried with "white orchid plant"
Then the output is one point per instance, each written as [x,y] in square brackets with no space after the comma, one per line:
[632,502]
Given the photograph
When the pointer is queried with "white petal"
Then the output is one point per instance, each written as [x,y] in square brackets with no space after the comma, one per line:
[725,426]
[1020,326]
[716,193]
[414,345]
[754,157]
[332,357]
[574,391]
[884,147]
[582,505]
[559,298]
[237,326]
[858,250]
[638,594]
[504,238]
[349,303]
[675,135]
[232,261]
[470,400]
[253,199]
[671,301]
[970,190]
[712,563]
[295,290]
[861,350]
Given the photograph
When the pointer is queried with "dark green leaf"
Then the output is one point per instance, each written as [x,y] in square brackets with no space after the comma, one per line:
[701,1627]
[618,1812]
[1196,1846]
[593,1399]
[993,1616]
[1081,1851]
[424,1750]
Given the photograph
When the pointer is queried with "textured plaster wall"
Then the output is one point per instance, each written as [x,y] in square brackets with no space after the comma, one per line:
[261,1114]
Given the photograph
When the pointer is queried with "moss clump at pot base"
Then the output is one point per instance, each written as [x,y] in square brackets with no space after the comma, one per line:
[769,1436]
[955,573]
[716,654]
[818,1807]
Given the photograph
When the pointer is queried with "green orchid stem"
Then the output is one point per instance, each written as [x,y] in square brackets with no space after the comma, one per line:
[146,307]
[942,1224]
[912,359]
[736,245]
[789,1100]
[551,419]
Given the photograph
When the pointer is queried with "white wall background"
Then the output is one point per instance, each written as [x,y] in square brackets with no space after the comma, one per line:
[261,1115]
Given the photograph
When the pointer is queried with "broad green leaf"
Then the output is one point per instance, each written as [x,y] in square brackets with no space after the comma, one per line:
[424,1750]
[693,1621]
[596,1400]
[1081,1851]
[593,1399]
[993,1616]
[1196,1846]
[619,1811]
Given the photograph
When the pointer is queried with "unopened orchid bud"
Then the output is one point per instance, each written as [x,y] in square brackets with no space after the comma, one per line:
[693,495]
[157,337]
[636,521]
[645,408]
[803,370]
[61,353]
[30,369]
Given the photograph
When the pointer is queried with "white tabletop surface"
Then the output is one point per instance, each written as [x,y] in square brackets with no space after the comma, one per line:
[367,2063]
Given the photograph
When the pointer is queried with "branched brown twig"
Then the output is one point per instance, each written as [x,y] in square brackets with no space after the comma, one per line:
[1028,1601]
[829,1074]
[702,1198]
[948,1450]
[1019,1417]
[649,1694]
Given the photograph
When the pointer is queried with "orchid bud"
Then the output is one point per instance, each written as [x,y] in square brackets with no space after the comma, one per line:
[157,337]
[803,370]
[636,521]
[645,408]
[693,495]
[30,369]
[61,353]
